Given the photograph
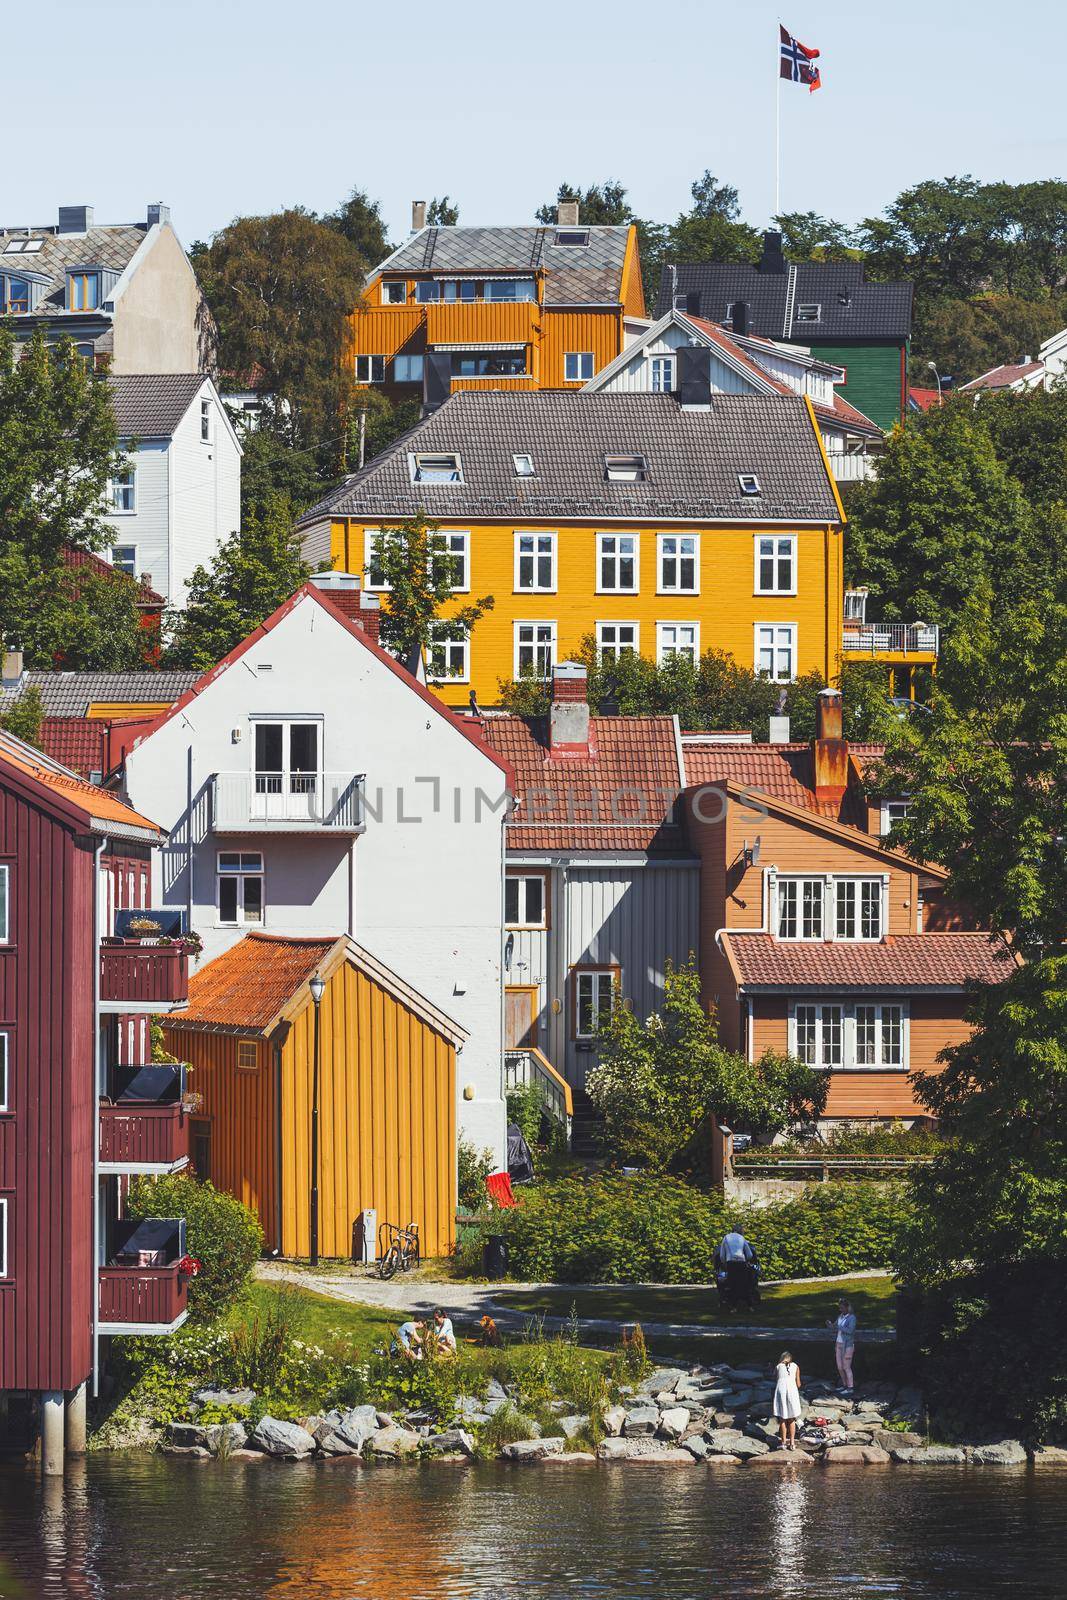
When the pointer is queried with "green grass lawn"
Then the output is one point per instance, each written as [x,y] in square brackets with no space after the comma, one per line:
[799,1305]
[314,1317]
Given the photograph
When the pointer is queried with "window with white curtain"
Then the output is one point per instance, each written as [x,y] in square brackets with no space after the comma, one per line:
[862,1035]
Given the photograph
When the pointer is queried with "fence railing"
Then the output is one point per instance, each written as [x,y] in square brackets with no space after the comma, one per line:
[525,1066]
[143,974]
[293,800]
[822,1168]
[893,638]
[137,1136]
[852,469]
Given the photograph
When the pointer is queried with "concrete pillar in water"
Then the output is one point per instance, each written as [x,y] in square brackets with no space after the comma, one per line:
[76,1420]
[52,1409]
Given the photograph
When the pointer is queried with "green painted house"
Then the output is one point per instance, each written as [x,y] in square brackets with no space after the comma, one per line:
[828,306]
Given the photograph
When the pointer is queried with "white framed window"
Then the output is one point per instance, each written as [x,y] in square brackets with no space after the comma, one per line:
[373,571]
[677,639]
[427,290]
[679,563]
[578,366]
[454,558]
[861,1035]
[4,1270]
[776,650]
[525,901]
[775,564]
[124,559]
[535,562]
[809,312]
[594,999]
[240,888]
[124,492]
[524,465]
[395,292]
[408,369]
[247,1055]
[617,563]
[5,1085]
[206,421]
[614,639]
[748,483]
[662,374]
[858,908]
[893,811]
[5,904]
[449,655]
[443,467]
[370,369]
[535,649]
[800,908]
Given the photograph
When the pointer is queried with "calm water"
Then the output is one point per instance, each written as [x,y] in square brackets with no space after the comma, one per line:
[148,1527]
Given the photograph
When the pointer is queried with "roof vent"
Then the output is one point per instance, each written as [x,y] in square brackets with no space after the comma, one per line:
[75,219]
[567,214]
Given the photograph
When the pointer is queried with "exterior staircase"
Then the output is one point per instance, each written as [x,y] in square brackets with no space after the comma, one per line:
[583,1126]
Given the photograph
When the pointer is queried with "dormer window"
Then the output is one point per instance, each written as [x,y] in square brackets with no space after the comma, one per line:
[443,468]
[83,291]
[809,313]
[748,483]
[524,466]
[24,247]
[572,237]
[16,296]
[625,469]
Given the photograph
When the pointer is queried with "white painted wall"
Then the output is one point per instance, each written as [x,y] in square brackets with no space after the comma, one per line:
[421,888]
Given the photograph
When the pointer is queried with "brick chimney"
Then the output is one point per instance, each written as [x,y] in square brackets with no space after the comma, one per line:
[418,215]
[343,591]
[12,668]
[567,214]
[568,719]
[829,748]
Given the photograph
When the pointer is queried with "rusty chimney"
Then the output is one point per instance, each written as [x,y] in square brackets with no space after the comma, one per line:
[568,721]
[829,748]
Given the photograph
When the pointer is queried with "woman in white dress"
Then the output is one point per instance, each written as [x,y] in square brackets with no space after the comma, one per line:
[787,1401]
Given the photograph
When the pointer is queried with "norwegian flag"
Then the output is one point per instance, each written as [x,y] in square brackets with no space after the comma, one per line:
[798,62]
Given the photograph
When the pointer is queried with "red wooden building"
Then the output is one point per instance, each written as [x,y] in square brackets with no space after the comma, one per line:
[81,1106]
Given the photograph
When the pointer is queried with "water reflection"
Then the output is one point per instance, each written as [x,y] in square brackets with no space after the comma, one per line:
[788,1525]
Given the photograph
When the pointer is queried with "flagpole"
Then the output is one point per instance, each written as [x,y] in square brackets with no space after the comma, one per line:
[777,132]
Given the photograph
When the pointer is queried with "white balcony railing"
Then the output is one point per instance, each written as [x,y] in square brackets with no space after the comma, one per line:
[891,638]
[852,469]
[294,802]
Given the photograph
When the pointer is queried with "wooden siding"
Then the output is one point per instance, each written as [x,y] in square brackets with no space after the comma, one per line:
[240,1107]
[874,377]
[726,607]
[46,1000]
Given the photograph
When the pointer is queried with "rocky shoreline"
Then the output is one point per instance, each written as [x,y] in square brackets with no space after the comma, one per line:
[714,1415]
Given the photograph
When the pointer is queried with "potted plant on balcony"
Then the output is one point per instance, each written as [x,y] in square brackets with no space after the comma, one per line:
[188,1267]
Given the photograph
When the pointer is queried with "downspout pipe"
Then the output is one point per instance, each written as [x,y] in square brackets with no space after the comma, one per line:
[98,1065]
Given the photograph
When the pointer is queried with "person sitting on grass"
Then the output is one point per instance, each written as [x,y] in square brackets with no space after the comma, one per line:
[446,1336]
[408,1341]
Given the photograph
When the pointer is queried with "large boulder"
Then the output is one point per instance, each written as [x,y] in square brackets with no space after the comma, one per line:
[929,1455]
[222,1438]
[454,1441]
[781,1458]
[896,1439]
[356,1426]
[331,1441]
[186,1436]
[696,1445]
[721,1441]
[673,1422]
[641,1422]
[286,1440]
[855,1455]
[614,1419]
[569,1426]
[1008,1453]
[641,1449]
[533,1449]
[1049,1455]
[392,1443]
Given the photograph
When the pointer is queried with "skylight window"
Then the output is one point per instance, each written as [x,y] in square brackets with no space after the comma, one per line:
[625,469]
[572,236]
[748,483]
[524,466]
[809,313]
[443,468]
[23,247]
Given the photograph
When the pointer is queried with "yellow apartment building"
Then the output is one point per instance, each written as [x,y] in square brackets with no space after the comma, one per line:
[543,307]
[662,523]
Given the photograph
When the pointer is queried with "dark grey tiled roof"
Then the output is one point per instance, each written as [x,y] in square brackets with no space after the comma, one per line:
[851,308]
[693,459]
[111,246]
[152,404]
[577,274]
[69,694]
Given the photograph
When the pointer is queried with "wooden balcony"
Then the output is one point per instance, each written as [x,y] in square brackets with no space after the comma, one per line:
[142,1286]
[891,641]
[143,977]
[143,1138]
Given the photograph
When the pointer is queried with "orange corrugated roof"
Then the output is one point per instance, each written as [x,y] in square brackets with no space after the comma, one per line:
[99,805]
[248,985]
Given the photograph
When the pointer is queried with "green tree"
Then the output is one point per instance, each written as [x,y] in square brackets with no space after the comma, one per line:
[253,572]
[25,717]
[806,236]
[442,213]
[282,289]
[965,338]
[360,220]
[411,560]
[271,467]
[600,203]
[659,1081]
[1029,433]
[221,1233]
[89,621]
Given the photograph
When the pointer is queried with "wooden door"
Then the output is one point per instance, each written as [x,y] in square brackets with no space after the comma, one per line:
[519,1006]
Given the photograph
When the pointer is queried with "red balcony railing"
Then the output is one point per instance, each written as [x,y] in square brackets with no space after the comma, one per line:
[144,1296]
[144,974]
[142,1135]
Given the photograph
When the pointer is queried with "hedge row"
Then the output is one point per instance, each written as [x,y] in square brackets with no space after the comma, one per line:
[609,1229]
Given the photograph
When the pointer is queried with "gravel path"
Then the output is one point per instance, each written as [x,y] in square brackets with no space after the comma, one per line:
[417,1295]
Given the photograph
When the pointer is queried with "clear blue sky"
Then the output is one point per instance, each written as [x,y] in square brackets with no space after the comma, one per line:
[226,107]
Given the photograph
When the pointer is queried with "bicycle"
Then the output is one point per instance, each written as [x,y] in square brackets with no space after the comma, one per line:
[402,1251]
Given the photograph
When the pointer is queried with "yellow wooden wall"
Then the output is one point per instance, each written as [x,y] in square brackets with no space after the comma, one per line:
[726,608]
[240,1106]
[387,1119]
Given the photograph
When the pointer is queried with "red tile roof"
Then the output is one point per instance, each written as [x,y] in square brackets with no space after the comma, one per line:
[923,399]
[905,961]
[1004,376]
[620,797]
[847,416]
[147,597]
[78,742]
[248,985]
[781,770]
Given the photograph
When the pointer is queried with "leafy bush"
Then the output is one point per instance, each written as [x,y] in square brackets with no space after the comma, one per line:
[221,1233]
[473,1167]
[525,1109]
[652,1228]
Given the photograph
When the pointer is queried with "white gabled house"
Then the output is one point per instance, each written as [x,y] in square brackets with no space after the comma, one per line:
[312,787]
[178,497]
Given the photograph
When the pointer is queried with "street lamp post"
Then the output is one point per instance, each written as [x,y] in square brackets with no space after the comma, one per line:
[933,368]
[318,989]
